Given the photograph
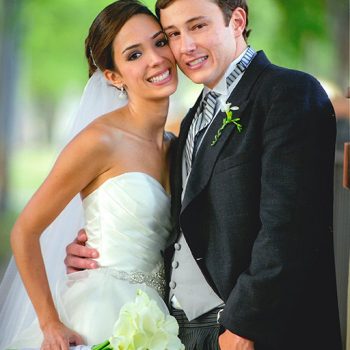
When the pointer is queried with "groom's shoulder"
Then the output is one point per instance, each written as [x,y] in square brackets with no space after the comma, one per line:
[287,78]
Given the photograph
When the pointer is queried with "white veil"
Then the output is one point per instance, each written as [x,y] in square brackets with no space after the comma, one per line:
[16,310]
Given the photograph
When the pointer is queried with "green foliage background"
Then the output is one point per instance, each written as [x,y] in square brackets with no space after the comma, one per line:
[294,33]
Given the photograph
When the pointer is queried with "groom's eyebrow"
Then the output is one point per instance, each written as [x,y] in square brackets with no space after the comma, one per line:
[193,19]
[137,45]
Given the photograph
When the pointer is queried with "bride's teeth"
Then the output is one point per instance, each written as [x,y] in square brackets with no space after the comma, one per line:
[199,60]
[160,78]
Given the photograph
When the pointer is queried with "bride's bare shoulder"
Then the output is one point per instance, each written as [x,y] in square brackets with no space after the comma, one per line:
[103,133]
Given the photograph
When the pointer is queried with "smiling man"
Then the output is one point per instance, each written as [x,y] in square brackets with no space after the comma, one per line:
[252,210]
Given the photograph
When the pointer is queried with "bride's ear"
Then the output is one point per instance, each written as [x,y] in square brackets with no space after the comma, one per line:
[114,78]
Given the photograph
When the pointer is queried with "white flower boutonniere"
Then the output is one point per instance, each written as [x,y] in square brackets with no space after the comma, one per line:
[226,107]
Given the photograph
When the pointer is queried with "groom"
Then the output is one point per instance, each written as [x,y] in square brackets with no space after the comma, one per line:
[252,261]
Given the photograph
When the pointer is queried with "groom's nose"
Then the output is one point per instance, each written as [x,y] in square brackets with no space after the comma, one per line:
[187,43]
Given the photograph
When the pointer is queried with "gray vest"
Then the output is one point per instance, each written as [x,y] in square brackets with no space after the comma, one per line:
[192,291]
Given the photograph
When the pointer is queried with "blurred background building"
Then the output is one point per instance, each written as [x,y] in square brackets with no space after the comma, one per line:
[43,72]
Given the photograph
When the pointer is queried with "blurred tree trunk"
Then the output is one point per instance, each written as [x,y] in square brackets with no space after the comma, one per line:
[339,23]
[9,44]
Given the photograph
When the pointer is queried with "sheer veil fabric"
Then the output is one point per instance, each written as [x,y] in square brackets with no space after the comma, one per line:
[16,310]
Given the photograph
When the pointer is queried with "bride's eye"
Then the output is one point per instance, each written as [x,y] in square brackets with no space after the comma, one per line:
[162,42]
[134,56]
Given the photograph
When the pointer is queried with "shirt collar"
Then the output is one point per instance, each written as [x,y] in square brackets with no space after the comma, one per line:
[221,86]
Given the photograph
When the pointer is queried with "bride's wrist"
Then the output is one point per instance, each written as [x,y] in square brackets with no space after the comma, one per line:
[49,322]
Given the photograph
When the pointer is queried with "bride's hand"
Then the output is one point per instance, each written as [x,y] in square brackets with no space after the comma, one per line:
[78,256]
[58,337]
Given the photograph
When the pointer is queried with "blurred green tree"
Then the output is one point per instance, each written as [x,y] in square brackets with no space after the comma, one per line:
[9,43]
[296,34]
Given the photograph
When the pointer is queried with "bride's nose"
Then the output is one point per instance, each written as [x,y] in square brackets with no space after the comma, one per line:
[155,58]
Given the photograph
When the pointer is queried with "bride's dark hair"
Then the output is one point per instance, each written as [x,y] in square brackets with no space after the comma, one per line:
[99,43]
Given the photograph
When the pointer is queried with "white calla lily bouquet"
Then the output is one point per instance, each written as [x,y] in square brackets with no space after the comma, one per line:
[143,326]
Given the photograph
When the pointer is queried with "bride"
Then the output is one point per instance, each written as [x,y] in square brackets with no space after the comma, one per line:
[119,165]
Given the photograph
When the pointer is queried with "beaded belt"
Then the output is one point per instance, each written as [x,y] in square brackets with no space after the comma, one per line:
[155,280]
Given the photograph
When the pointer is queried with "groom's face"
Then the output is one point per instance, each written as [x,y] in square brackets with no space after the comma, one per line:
[202,44]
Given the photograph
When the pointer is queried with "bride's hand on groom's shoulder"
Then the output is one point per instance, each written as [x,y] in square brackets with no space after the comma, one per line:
[59,337]
[231,341]
[78,256]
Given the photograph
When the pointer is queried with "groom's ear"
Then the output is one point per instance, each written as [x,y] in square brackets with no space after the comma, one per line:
[113,77]
[238,21]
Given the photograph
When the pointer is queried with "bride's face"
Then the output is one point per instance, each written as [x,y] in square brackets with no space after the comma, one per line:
[145,63]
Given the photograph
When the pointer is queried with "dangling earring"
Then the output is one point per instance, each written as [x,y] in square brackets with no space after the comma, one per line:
[122,94]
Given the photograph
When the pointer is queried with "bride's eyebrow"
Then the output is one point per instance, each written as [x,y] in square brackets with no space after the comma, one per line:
[137,45]
[158,33]
[131,47]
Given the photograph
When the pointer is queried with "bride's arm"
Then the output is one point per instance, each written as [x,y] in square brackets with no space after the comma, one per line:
[80,162]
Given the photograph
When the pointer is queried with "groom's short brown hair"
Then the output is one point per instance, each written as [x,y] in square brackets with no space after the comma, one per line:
[226,7]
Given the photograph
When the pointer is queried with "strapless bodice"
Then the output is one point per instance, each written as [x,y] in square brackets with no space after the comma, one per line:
[128,221]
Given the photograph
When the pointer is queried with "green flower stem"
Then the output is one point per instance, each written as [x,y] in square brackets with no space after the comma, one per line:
[225,122]
[104,345]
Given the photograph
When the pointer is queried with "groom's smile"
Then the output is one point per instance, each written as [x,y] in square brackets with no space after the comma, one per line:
[197,63]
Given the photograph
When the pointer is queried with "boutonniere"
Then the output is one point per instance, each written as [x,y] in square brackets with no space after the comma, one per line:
[226,107]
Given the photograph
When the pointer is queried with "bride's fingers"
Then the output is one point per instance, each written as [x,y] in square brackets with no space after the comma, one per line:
[55,345]
[64,346]
[82,237]
[81,251]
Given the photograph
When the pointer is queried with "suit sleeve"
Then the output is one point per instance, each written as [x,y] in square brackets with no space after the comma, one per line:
[298,138]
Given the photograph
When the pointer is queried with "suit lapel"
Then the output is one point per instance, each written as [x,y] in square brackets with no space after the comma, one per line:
[176,171]
[207,154]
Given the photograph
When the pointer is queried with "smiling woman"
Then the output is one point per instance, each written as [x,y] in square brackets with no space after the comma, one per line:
[119,165]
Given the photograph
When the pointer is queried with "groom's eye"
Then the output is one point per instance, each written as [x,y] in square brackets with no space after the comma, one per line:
[172,35]
[199,26]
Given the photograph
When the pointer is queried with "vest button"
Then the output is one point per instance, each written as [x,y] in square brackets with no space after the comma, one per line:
[172,285]
[175,264]
[177,246]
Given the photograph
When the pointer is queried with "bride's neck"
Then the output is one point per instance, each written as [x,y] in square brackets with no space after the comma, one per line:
[148,118]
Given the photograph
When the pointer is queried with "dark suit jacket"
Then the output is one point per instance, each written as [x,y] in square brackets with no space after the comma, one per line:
[258,210]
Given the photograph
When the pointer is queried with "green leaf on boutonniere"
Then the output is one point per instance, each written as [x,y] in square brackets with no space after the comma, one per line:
[228,120]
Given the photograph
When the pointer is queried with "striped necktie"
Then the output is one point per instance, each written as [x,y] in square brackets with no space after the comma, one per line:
[206,110]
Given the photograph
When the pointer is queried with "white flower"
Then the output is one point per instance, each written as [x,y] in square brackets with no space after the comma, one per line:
[225,107]
[142,325]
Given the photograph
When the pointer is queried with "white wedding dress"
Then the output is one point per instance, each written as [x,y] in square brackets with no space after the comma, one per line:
[128,222]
